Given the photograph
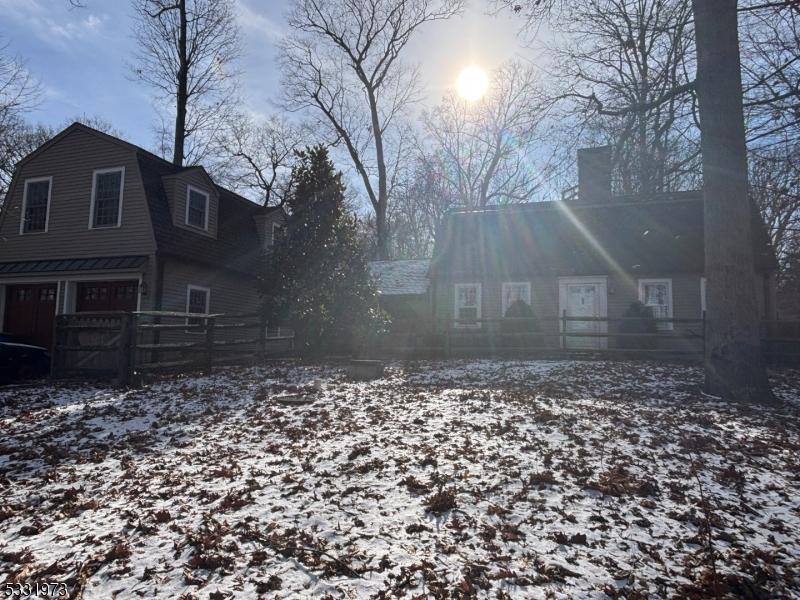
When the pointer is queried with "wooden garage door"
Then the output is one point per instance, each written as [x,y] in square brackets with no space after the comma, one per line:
[30,311]
[94,296]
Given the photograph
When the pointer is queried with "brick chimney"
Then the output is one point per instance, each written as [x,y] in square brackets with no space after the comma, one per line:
[594,175]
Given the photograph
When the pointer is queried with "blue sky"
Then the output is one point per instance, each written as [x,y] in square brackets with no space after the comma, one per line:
[80,56]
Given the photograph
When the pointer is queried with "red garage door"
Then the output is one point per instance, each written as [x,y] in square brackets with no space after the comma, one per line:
[30,311]
[95,296]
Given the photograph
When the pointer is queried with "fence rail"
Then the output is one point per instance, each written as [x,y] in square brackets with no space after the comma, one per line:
[567,335]
[127,346]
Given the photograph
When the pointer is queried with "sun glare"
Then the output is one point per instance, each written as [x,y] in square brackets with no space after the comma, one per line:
[472,83]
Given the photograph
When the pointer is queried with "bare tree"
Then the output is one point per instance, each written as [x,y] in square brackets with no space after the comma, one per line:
[775,188]
[343,61]
[259,156]
[771,72]
[486,147]
[19,92]
[186,53]
[734,363]
[612,55]
[423,197]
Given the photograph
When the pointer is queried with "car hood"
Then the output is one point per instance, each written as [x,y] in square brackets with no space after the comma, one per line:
[16,345]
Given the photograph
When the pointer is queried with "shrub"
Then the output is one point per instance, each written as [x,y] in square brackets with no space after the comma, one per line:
[638,319]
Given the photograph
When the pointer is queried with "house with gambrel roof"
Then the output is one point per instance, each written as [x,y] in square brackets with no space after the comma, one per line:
[94,223]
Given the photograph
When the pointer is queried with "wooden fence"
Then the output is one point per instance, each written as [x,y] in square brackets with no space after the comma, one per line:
[127,346]
[567,336]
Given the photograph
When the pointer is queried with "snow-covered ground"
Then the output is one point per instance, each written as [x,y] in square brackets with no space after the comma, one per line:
[442,480]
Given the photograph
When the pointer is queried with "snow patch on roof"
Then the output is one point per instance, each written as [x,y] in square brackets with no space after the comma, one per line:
[396,277]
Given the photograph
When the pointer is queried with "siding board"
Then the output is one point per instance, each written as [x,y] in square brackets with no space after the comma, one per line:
[71,162]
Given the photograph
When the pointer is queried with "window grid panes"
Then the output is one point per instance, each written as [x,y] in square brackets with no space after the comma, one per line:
[196,214]
[515,292]
[107,187]
[467,305]
[656,295]
[197,303]
[36,201]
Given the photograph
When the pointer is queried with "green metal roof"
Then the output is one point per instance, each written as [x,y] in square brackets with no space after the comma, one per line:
[104,263]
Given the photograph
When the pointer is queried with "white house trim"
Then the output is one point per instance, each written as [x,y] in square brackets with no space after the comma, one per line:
[478,302]
[189,190]
[95,173]
[506,285]
[601,281]
[25,204]
[668,282]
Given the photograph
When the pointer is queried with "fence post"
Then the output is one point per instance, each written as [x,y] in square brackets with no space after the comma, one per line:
[209,350]
[704,335]
[133,342]
[123,349]
[262,337]
[564,329]
[57,365]
[447,327]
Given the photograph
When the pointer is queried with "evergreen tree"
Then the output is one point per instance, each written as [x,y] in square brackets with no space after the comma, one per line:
[317,277]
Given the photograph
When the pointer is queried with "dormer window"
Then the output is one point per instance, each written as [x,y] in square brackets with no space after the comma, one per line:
[36,205]
[196,208]
[106,210]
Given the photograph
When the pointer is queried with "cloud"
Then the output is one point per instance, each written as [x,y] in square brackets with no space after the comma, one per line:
[56,26]
[259,23]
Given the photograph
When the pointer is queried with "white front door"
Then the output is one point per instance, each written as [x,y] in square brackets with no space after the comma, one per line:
[583,297]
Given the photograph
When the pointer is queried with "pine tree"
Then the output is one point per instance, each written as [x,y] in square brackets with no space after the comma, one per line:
[317,278]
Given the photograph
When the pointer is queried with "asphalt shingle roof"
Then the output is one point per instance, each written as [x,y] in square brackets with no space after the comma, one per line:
[664,234]
[400,277]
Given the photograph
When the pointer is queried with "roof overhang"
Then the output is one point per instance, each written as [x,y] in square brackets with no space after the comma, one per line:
[104,263]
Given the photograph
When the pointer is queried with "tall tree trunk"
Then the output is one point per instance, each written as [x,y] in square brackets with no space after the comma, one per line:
[383,188]
[382,232]
[734,364]
[182,91]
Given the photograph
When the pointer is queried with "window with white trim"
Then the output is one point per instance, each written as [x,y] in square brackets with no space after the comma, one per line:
[36,205]
[467,305]
[196,208]
[107,198]
[197,302]
[515,291]
[657,294]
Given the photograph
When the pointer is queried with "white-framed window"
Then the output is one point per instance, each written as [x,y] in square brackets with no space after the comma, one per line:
[702,296]
[196,207]
[657,294]
[198,301]
[106,206]
[468,305]
[516,291]
[36,205]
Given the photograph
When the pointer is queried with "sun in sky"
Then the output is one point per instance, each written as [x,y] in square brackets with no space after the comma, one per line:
[472,83]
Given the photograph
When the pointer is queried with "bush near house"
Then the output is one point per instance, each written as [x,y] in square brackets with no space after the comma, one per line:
[529,327]
[638,319]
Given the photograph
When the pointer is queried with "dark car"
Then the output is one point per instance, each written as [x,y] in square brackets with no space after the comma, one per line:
[20,361]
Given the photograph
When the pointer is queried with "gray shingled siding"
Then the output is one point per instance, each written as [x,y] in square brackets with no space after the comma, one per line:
[71,162]
[229,294]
